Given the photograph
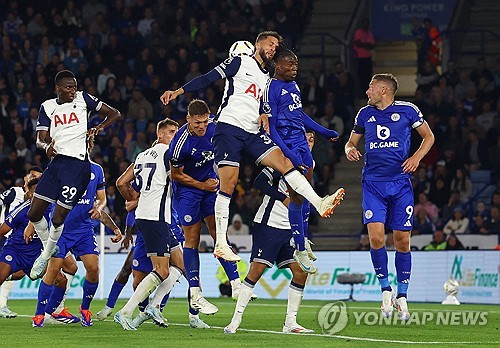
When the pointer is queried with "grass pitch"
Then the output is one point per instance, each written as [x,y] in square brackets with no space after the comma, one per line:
[261,326]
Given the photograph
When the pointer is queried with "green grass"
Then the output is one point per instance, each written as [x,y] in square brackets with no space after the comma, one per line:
[261,326]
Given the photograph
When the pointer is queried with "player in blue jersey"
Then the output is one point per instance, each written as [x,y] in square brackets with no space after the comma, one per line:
[19,254]
[195,185]
[9,200]
[270,245]
[288,124]
[239,128]
[79,239]
[65,120]
[387,190]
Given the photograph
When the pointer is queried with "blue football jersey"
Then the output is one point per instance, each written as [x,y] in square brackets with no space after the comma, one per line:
[283,101]
[78,218]
[18,220]
[195,154]
[387,139]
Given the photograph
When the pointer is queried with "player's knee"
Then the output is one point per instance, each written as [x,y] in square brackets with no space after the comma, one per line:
[124,274]
[33,215]
[61,281]
[377,242]
[70,266]
[163,272]
[92,270]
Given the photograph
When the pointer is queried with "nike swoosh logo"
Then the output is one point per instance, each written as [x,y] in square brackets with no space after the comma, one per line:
[248,74]
[305,267]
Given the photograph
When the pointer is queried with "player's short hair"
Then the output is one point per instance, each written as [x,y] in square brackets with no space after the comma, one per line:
[166,122]
[265,34]
[198,107]
[390,79]
[284,54]
[63,74]
[32,182]
[34,169]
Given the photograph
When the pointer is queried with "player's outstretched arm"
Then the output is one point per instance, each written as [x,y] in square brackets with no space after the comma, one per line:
[123,183]
[112,115]
[326,133]
[177,174]
[109,223]
[351,152]
[412,163]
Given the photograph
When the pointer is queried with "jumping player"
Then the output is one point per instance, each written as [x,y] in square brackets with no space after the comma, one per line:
[68,174]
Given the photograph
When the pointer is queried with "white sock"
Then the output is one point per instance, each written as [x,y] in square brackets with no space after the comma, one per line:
[54,234]
[166,286]
[69,278]
[299,184]
[221,218]
[143,290]
[245,295]
[42,229]
[235,283]
[4,292]
[292,308]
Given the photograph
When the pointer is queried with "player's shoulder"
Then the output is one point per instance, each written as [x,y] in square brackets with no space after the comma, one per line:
[181,138]
[19,211]
[96,167]
[49,103]
[402,105]
[366,109]
[18,190]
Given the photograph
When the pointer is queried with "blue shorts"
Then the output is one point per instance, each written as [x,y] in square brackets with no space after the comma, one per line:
[65,181]
[229,141]
[389,202]
[141,262]
[301,148]
[158,238]
[270,245]
[21,258]
[77,242]
[192,205]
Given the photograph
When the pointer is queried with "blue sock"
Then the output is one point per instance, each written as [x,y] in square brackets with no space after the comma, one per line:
[44,292]
[306,211]
[163,302]
[403,269]
[379,261]
[230,268]
[89,290]
[142,305]
[115,291]
[55,299]
[192,266]
[297,225]
[191,309]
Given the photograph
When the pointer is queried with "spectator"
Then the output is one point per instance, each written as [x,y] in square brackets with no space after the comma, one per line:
[137,102]
[364,42]
[422,224]
[453,243]
[389,242]
[438,242]
[433,43]
[364,243]
[462,184]
[238,227]
[475,152]
[492,225]
[459,224]
[424,203]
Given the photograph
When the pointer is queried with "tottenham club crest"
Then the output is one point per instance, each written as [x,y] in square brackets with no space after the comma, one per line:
[395,117]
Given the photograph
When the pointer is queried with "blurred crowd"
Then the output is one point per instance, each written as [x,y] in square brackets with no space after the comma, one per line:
[127,52]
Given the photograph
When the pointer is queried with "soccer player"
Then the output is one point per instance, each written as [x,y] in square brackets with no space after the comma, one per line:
[288,123]
[68,174]
[18,255]
[78,238]
[387,190]
[195,185]
[152,214]
[271,244]
[9,200]
[238,129]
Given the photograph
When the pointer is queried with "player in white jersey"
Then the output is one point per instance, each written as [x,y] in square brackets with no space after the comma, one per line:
[271,244]
[153,214]
[9,200]
[64,120]
[239,129]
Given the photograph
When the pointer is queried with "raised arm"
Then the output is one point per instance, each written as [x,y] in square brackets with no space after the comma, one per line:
[309,123]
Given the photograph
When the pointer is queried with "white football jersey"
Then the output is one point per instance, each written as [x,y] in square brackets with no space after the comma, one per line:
[246,81]
[68,123]
[273,212]
[9,200]
[151,169]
